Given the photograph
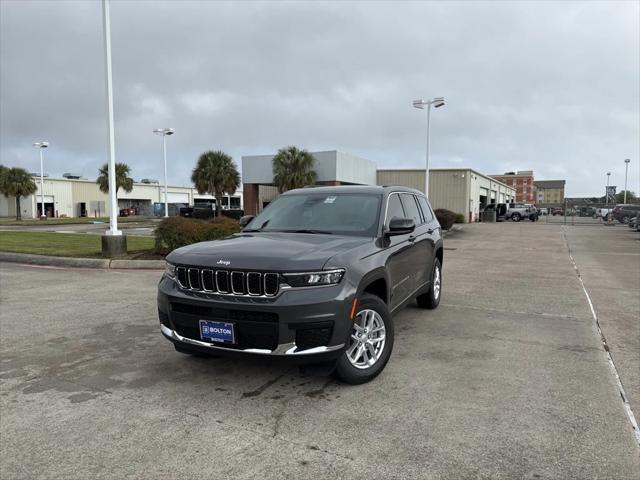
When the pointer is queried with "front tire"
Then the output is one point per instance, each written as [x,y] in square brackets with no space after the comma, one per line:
[515,217]
[431,299]
[370,342]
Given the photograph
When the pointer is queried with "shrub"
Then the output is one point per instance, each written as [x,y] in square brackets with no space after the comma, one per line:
[459,218]
[175,232]
[445,217]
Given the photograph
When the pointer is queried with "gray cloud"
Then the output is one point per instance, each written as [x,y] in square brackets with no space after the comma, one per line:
[546,86]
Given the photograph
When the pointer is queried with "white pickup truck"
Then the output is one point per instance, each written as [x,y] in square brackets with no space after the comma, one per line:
[517,212]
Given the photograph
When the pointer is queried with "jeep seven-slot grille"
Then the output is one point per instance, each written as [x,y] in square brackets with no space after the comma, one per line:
[228,281]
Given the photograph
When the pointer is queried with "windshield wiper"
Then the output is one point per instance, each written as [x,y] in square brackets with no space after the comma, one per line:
[308,231]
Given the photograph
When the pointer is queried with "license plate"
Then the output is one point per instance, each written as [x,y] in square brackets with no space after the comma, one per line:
[217,331]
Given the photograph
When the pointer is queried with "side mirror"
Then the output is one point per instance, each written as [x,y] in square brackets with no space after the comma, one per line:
[244,221]
[400,226]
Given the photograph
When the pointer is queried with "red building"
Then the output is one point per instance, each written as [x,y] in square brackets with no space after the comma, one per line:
[522,181]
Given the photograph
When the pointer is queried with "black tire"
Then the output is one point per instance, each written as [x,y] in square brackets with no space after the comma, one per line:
[349,373]
[515,217]
[430,299]
[624,220]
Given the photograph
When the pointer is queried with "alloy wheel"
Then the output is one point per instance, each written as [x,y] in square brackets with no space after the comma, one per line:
[367,339]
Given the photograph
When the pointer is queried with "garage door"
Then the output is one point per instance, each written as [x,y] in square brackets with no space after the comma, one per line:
[175,197]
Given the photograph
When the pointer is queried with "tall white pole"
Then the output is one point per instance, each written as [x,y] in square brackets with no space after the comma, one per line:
[426,171]
[626,171]
[113,200]
[42,212]
[164,156]
[607,195]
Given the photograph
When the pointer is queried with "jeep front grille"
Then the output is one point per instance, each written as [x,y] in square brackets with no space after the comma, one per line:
[228,282]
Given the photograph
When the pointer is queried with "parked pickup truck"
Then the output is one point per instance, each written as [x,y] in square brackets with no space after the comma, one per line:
[200,209]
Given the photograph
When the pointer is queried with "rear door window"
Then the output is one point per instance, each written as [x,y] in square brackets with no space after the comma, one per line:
[426,210]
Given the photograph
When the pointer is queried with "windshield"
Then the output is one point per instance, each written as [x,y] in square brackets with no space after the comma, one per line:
[339,213]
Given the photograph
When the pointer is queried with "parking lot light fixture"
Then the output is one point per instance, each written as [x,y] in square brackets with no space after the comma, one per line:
[40,146]
[626,172]
[436,102]
[165,132]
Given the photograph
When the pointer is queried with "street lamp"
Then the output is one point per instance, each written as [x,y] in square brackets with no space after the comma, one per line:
[607,193]
[626,171]
[40,146]
[437,102]
[164,132]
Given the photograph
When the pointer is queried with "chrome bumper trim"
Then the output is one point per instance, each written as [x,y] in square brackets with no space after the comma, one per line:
[282,349]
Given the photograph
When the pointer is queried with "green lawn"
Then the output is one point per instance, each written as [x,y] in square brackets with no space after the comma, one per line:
[66,221]
[64,244]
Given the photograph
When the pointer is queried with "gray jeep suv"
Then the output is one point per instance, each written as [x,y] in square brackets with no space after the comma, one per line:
[315,277]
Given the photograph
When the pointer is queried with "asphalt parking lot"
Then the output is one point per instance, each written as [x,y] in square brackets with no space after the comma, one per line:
[507,379]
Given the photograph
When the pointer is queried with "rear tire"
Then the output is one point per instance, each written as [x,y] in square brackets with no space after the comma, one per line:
[431,299]
[370,342]
[515,217]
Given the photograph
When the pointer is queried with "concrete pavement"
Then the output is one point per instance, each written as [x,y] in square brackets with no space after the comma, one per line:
[507,379]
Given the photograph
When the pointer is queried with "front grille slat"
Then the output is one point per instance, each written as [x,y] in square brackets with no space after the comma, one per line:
[237,283]
[228,282]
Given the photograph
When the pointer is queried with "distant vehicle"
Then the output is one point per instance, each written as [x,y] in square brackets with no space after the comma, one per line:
[543,211]
[200,209]
[127,212]
[602,213]
[517,212]
[623,212]
[557,211]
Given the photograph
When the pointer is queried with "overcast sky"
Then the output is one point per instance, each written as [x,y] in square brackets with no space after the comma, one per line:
[546,86]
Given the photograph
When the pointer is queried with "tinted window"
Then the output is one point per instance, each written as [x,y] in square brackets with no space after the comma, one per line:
[411,208]
[340,213]
[394,208]
[426,211]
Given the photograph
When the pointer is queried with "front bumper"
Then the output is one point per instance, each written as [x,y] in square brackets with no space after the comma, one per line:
[303,323]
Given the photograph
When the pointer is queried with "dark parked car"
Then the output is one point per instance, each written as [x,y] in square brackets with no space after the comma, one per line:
[315,277]
[200,209]
[622,213]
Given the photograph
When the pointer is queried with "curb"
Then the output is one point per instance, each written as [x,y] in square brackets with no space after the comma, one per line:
[102,263]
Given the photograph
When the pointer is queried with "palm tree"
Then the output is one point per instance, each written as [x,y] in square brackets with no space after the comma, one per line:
[16,182]
[216,173]
[293,168]
[123,180]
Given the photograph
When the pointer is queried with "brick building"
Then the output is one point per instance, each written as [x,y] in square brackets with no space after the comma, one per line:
[522,181]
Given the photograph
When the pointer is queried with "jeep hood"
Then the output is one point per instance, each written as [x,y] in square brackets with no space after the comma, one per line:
[267,251]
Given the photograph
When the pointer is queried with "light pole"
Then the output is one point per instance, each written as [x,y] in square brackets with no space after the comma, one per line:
[437,102]
[607,192]
[626,171]
[113,200]
[40,146]
[164,132]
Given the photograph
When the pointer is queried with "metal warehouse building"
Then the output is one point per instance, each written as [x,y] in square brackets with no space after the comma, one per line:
[74,197]
[461,190]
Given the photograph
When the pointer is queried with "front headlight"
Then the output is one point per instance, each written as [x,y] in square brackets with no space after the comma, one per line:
[170,270]
[313,279]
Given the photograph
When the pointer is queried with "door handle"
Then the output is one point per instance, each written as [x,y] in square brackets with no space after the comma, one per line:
[430,231]
[412,238]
